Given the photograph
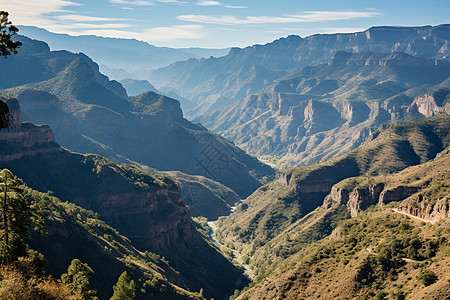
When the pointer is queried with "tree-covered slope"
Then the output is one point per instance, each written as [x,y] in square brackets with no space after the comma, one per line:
[146,208]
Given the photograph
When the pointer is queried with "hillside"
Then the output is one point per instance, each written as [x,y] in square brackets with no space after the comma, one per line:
[74,232]
[144,207]
[91,114]
[378,255]
[285,215]
[204,197]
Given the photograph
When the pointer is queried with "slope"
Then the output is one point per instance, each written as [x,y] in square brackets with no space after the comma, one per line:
[147,208]
[324,111]
[283,216]
[93,115]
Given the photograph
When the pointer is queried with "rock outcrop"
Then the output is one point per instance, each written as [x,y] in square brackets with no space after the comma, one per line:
[415,206]
[24,139]
[358,199]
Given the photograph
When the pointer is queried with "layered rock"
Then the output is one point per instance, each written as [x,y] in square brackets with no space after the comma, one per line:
[427,211]
[25,139]
[358,199]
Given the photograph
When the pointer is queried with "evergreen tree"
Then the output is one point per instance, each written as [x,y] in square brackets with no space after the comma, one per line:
[77,277]
[15,217]
[7,30]
[125,288]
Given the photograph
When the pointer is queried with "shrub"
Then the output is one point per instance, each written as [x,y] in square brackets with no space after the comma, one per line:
[427,277]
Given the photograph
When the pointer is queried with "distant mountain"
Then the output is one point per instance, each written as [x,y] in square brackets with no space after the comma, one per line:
[91,114]
[135,87]
[128,54]
[248,70]
[301,100]
[327,110]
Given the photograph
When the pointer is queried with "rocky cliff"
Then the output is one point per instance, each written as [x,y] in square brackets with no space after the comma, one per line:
[303,100]
[24,139]
[146,208]
[421,190]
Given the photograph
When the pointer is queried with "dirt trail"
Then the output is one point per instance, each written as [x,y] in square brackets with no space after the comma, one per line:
[412,216]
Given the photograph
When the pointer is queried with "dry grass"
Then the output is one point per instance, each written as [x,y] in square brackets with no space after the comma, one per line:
[19,281]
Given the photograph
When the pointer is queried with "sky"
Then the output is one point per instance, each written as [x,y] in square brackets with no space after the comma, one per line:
[221,23]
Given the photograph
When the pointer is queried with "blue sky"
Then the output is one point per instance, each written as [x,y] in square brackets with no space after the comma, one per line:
[221,23]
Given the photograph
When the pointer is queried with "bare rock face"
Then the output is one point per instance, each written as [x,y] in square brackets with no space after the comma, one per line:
[425,105]
[152,220]
[24,139]
[358,199]
[416,206]
[396,194]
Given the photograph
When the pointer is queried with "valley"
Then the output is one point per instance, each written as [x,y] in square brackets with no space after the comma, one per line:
[313,167]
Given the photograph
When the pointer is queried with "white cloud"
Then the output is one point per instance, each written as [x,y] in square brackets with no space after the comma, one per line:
[308,16]
[36,13]
[80,18]
[171,1]
[208,3]
[167,34]
[132,2]
[151,35]
[235,6]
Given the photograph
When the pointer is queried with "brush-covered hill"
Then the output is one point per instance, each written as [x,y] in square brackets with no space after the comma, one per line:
[287,214]
[146,208]
[91,114]
[398,249]
[378,255]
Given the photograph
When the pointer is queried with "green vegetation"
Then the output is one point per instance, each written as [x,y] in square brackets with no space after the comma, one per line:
[7,30]
[17,216]
[23,280]
[379,254]
[427,277]
[125,289]
[72,231]
[77,277]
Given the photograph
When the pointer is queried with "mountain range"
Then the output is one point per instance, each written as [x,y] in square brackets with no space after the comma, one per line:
[145,208]
[92,114]
[129,54]
[299,100]
[359,125]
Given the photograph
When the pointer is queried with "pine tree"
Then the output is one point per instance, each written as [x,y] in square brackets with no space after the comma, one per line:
[125,288]
[77,277]
[7,30]
[15,217]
